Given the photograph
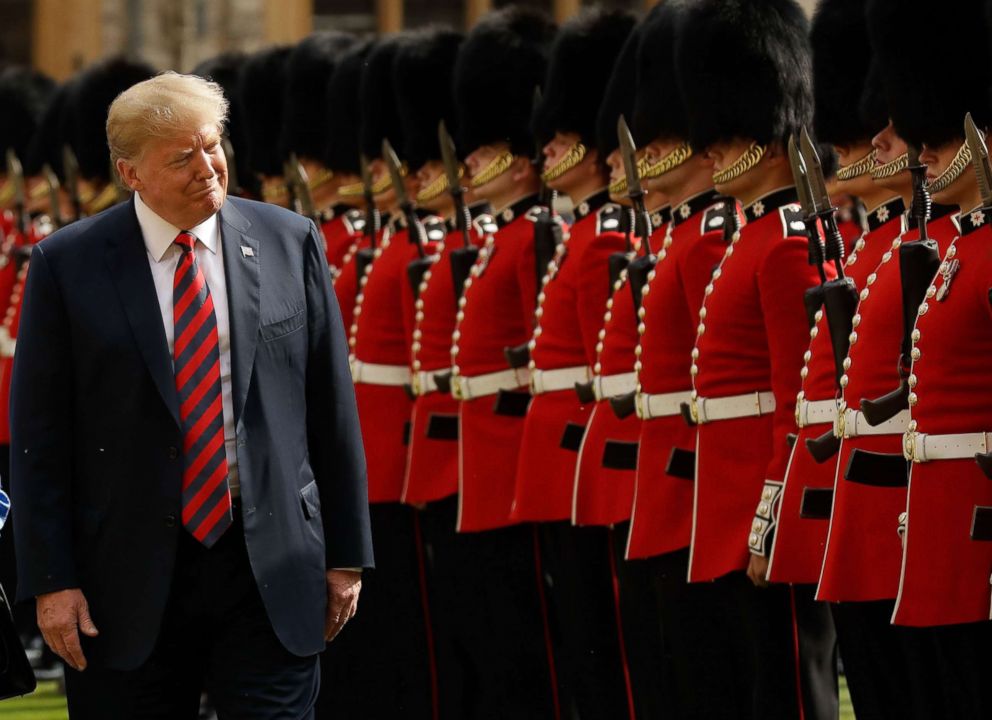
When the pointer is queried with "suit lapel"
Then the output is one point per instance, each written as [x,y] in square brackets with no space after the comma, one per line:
[129,270]
[242,267]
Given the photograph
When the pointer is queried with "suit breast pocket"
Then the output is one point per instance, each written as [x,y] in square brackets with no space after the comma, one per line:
[281,328]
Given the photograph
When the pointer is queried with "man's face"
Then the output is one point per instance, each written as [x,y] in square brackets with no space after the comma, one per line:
[429,173]
[182,178]
[937,160]
[888,148]
[614,161]
[554,152]
[479,160]
[724,154]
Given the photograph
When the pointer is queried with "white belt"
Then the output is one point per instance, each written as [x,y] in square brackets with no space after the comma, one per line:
[375,374]
[920,447]
[543,381]
[852,423]
[660,405]
[468,388]
[607,386]
[815,412]
[423,383]
[706,410]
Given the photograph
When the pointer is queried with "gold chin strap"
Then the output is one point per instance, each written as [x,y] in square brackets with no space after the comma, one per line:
[493,170]
[385,182]
[893,167]
[6,192]
[748,159]
[351,190]
[961,161]
[668,163]
[618,186]
[320,178]
[38,191]
[275,191]
[436,187]
[572,158]
[857,168]
[106,198]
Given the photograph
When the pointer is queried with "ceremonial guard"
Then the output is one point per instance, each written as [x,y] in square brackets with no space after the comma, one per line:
[947,554]
[574,286]
[225,70]
[343,156]
[745,72]
[263,97]
[422,77]
[889,669]
[385,659]
[501,61]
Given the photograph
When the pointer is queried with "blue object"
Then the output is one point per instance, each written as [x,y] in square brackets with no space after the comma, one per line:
[4,508]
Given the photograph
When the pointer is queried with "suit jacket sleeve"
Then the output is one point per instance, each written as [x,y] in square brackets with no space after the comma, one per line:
[41,441]
[334,437]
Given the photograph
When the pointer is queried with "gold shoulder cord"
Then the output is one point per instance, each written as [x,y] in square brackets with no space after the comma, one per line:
[748,159]
[620,184]
[668,163]
[962,159]
[857,168]
[893,167]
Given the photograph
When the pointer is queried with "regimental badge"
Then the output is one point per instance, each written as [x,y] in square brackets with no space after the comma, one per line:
[948,269]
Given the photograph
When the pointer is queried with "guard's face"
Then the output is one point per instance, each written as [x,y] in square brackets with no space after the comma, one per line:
[554,152]
[182,178]
[723,155]
[480,159]
[614,161]
[888,145]
[937,160]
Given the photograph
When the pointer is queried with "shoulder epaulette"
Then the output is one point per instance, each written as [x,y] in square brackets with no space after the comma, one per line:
[354,221]
[609,218]
[713,219]
[434,228]
[792,220]
[485,224]
[538,212]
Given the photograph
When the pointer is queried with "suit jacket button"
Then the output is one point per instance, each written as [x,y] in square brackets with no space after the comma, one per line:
[173,452]
[170,521]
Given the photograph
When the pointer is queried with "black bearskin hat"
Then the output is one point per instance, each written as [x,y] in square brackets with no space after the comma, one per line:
[225,70]
[618,97]
[423,73]
[582,58]
[502,60]
[377,98]
[841,60]
[310,66]
[90,95]
[24,94]
[659,111]
[263,92]
[745,69]
[873,107]
[928,93]
[343,110]
[50,135]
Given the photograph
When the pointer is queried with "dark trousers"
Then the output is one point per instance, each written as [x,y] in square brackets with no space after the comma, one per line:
[963,653]
[215,637]
[380,664]
[892,671]
[488,616]
[583,616]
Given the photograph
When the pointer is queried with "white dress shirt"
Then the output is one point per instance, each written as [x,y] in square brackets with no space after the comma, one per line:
[163,258]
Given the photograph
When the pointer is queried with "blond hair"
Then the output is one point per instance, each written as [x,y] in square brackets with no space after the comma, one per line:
[166,105]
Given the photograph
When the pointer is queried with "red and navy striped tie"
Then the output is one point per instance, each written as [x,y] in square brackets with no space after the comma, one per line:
[206,494]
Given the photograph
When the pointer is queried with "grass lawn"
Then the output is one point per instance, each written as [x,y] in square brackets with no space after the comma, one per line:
[47,704]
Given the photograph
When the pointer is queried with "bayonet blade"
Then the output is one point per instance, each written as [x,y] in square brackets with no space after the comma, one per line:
[979,159]
[298,176]
[800,176]
[628,152]
[449,156]
[814,172]
[395,171]
[16,174]
[363,163]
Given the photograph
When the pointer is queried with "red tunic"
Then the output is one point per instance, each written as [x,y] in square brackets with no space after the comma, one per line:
[948,543]
[603,486]
[801,533]
[379,335]
[497,311]
[661,519]
[342,227]
[570,308]
[863,553]
[751,340]
[432,468]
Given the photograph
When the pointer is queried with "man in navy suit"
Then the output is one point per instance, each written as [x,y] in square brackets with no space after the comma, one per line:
[188,469]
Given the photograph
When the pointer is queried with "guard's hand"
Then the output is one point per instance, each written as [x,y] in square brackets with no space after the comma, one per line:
[343,587]
[757,570]
[60,616]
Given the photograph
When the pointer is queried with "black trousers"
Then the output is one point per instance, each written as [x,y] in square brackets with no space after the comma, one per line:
[584,621]
[892,671]
[380,665]
[215,637]
[965,660]
[488,616]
